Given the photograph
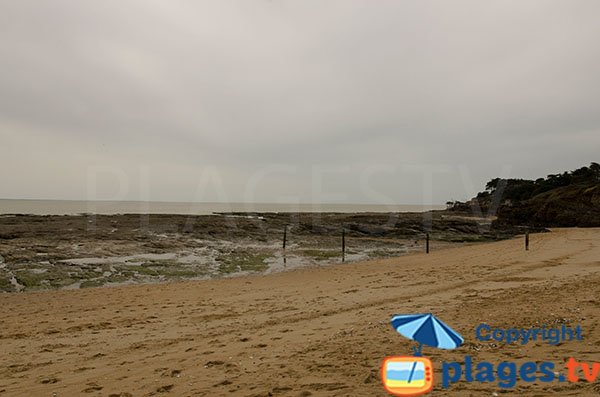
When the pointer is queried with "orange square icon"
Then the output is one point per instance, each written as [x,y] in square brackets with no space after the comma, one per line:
[407,376]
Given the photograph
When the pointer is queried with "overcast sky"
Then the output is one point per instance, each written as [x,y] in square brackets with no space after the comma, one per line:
[270,101]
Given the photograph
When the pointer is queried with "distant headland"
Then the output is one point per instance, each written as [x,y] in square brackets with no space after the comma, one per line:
[568,199]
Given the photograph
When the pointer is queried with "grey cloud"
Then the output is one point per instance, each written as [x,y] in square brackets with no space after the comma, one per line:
[180,85]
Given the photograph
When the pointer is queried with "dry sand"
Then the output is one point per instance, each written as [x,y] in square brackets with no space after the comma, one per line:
[311,332]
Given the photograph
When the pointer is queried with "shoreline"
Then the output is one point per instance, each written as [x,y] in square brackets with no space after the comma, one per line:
[54,252]
[298,270]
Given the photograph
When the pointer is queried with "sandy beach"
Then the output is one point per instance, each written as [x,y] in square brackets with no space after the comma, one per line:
[307,332]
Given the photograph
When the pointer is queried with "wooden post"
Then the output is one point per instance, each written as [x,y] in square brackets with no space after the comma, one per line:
[526,241]
[284,235]
[427,244]
[343,245]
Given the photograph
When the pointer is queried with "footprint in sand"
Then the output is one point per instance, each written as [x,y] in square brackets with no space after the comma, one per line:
[92,387]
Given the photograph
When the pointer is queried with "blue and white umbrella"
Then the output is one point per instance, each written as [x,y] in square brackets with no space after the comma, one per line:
[428,330]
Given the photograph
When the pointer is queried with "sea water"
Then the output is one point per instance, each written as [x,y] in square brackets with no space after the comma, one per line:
[72,207]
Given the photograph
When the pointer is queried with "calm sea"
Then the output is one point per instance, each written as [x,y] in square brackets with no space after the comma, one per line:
[68,207]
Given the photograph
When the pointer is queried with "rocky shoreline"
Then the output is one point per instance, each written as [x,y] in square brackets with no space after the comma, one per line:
[49,252]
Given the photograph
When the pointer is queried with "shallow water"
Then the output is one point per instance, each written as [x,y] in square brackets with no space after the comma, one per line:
[203,262]
[130,259]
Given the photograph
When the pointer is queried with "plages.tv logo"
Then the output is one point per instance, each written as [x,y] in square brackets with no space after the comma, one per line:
[413,375]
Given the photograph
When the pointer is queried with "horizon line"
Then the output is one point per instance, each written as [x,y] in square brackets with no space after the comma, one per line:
[220,202]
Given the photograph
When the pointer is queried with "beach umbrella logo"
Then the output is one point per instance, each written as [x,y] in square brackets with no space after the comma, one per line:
[426,329]
[413,375]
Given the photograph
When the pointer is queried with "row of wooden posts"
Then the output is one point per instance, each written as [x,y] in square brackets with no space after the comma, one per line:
[344,242]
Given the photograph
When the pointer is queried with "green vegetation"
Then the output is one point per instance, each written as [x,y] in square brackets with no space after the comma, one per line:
[31,280]
[523,189]
[169,270]
[145,270]
[91,283]
[181,273]
[566,199]
[5,284]
[57,275]
[84,274]
[243,261]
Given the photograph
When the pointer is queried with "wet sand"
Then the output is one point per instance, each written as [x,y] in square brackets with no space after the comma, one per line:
[308,332]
